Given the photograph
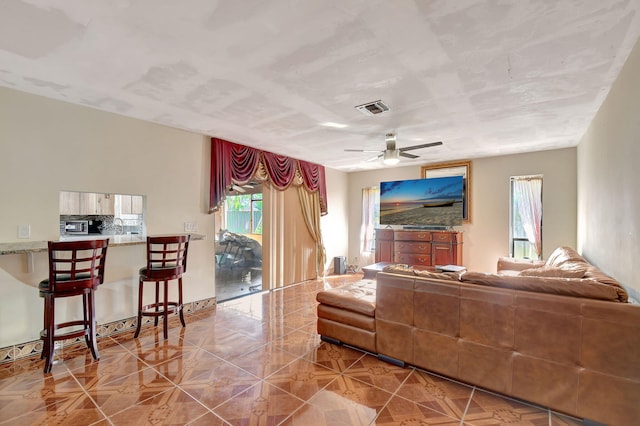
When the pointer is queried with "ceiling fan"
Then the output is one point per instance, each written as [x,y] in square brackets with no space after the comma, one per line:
[392,155]
[241,188]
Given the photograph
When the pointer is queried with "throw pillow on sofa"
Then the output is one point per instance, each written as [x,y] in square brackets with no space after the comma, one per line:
[561,272]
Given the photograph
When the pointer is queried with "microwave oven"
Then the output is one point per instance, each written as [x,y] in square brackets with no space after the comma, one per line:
[75,227]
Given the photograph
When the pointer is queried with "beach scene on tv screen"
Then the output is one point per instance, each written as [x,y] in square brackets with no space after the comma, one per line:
[422,202]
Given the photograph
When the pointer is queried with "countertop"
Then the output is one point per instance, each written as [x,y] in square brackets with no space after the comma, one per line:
[20,247]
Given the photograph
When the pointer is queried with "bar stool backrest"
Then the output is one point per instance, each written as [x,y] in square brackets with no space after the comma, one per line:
[166,257]
[76,265]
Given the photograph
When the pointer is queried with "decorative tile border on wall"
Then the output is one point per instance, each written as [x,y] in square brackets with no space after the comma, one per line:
[23,350]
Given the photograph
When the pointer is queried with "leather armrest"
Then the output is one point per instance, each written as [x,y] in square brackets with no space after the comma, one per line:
[512,264]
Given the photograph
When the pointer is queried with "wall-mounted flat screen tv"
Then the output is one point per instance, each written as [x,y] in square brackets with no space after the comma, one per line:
[433,202]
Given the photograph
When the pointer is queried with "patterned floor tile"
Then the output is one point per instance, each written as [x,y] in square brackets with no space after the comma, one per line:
[19,396]
[262,404]
[231,346]
[113,396]
[207,419]
[373,371]
[311,415]
[489,409]
[350,400]
[78,410]
[114,362]
[335,357]
[172,407]
[298,342]
[216,385]
[264,361]
[302,378]
[437,393]
[400,411]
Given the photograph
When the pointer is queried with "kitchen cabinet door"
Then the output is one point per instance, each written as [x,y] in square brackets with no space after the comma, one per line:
[69,203]
[136,204]
[105,204]
[88,202]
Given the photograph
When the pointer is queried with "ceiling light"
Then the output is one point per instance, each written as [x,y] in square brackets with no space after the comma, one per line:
[391,157]
[335,125]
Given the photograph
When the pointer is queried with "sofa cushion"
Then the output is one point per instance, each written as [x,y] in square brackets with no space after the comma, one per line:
[559,272]
[407,270]
[357,297]
[575,287]
[564,255]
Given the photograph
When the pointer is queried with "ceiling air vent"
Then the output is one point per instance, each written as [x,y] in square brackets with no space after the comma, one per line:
[372,108]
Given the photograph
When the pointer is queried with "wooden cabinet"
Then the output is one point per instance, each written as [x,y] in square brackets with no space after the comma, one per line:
[419,248]
[86,203]
[105,204]
[69,203]
[384,245]
[130,204]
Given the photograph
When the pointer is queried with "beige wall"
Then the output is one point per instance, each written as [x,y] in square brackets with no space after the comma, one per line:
[487,236]
[47,146]
[334,224]
[608,181]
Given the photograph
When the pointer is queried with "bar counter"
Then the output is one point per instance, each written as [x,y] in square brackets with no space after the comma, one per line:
[114,240]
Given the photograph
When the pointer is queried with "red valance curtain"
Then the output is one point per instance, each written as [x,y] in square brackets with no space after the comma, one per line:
[233,163]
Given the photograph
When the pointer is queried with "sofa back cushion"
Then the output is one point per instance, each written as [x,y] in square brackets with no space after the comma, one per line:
[545,271]
[568,259]
[563,256]
[408,270]
[575,287]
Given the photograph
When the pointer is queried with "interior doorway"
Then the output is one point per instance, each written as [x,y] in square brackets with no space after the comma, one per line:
[239,243]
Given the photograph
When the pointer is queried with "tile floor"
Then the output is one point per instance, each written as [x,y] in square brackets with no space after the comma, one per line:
[254,360]
[237,281]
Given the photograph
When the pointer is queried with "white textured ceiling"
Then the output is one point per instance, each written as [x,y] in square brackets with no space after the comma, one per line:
[485,77]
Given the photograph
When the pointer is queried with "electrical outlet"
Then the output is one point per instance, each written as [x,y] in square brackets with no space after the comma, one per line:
[190,227]
[24,231]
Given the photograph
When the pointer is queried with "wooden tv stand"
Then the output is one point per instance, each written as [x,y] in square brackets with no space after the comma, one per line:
[419,248]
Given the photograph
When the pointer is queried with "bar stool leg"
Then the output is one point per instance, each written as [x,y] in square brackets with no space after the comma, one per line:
[180,301]
[93,344]
[50,330]
[165,313]
[140,284]
[155,320]
[45,326]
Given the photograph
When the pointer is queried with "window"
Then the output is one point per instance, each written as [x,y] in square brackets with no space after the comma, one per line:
[370,219]
[525,217]
[244,213]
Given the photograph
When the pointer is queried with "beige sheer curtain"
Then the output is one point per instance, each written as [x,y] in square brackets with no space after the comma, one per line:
[289,250]
[370,220]
[528,190]
[310,204]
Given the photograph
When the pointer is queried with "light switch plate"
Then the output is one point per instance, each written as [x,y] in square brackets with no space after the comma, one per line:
[190,227]
[24,231]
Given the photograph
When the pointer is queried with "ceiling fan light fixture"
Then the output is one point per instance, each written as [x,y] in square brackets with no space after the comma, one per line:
[391,158]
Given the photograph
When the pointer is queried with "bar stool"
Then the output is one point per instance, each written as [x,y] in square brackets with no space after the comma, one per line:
[166,260]
[76,268]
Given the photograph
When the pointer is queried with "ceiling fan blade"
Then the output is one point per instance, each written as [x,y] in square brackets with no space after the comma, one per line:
[424,145]
[237,188]
[374,158]
[362,150]
[404,154]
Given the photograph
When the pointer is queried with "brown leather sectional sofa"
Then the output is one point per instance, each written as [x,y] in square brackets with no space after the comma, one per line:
[570,342]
